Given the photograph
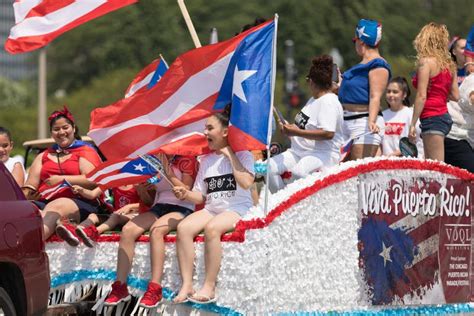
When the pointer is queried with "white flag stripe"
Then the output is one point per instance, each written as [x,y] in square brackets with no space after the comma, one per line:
[111,168]
[47,191]
[409,222]
[22,8]
[425,249]
[40,25]
[145,81]
[202,84]
[172,136]
[119,176]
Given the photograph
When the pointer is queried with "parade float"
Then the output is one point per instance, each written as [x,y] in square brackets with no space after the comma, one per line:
[390,235]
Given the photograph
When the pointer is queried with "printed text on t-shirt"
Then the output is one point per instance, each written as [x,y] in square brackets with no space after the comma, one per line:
[301,120]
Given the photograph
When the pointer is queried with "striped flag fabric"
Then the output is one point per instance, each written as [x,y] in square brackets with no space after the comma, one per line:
[38,22]
[148,77]
[170,116]
[51,192]
[123,172]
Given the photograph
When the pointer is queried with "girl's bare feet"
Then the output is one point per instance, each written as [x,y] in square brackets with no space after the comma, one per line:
[204,295]
[182,296]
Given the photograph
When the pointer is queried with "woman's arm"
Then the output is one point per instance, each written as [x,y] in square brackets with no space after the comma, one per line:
[315,134]
[33,179]
[18,174]
[378,79]
[146,192]
[242,176]
[192,196]
[423,74]
[86,193]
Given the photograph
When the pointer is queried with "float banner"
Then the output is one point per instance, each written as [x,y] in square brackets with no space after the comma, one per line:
[415,239]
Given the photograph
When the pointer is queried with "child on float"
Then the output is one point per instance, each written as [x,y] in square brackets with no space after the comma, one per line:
[126,205]
[13,164]
[317,135]
[223,182]
[165,214]
[436,83]
[397,117]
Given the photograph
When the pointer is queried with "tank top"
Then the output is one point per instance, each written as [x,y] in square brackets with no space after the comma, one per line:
[355,88]
[437,94]
[50,168]
[69,167]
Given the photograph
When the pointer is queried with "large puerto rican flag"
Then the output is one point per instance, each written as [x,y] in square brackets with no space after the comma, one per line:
[171,115]
[38,22]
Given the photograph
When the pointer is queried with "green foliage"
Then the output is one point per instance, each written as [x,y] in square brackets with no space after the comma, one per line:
[14,94]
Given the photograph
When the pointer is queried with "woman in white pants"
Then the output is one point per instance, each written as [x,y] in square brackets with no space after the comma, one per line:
[317,135]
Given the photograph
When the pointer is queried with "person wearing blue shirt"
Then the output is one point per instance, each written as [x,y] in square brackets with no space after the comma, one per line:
[361,90]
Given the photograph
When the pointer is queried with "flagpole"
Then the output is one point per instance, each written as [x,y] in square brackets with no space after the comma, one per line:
[42,93]
[189,23]
[269,133]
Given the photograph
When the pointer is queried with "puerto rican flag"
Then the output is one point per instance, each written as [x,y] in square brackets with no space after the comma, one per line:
[51,192]
[171,115]
[122,172]
[38,22]
[148,77]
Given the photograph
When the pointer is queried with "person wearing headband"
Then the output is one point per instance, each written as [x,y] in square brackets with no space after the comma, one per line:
[361,90]
[66,163]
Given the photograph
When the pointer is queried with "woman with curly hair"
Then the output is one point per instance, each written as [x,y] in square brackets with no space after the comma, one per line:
[436,83]
[316,135]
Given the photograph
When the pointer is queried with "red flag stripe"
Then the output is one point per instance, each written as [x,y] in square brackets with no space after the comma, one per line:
[35,32]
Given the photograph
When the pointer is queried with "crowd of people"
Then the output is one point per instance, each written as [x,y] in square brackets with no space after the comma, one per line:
[440,124]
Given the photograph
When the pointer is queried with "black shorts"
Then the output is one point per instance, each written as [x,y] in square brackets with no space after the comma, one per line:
[160,209]
[85,207]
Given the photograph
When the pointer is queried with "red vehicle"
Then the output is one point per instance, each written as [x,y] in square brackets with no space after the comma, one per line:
[24,266]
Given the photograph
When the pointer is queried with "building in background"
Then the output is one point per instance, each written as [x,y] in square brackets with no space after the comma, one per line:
[15,67]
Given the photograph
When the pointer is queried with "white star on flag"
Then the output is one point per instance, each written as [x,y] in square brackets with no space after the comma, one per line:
[385,254]
[139,167]
[361,32]
[239,77]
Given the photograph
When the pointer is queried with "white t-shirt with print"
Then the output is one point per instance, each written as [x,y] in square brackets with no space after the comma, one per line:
[324,113]
[165,195]
[397,125]
[216,182]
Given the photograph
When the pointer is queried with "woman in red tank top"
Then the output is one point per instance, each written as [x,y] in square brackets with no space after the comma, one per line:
[56,169]
[436,83]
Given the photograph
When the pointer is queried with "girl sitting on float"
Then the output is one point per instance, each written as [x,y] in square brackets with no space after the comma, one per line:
[70,159]
[223,182]
[317,135]
[165,214]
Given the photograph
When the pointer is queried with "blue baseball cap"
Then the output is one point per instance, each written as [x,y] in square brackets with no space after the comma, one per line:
[369,32]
